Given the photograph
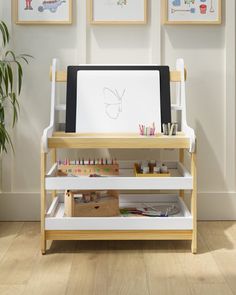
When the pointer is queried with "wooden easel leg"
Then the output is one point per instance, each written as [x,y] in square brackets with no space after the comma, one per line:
[181,160]
[194,202]
[53,161]
[43,202]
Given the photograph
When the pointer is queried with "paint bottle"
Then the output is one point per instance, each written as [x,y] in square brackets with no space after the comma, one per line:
[157,169]
[145,169]
[164,168]
[203,8]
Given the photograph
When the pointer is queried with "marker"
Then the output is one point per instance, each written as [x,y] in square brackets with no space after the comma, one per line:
[169,126]
[140,129]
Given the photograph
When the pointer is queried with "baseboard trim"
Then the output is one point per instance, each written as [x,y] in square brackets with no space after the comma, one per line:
[19,206]
[26,206]
[217,206]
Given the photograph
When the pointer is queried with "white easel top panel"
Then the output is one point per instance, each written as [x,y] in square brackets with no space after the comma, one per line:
[117,101]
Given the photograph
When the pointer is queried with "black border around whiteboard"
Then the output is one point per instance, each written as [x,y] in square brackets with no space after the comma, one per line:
[71,93]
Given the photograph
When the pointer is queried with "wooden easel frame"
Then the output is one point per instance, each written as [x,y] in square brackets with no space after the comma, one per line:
[184,141]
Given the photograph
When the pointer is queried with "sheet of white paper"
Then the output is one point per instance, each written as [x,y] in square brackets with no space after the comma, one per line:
[118,10]
[117,101]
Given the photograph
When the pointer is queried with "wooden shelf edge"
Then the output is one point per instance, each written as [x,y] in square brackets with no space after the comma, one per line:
[119,235]
[73,140]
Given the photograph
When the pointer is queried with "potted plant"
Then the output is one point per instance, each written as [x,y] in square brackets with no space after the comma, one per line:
[11,74]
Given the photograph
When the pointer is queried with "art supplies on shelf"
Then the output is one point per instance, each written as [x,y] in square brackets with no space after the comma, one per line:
[91,203]
[151,210]
[147,130]
[170,128]
[92,168]
[150,169]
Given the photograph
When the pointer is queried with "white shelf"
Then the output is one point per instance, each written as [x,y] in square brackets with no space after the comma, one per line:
[55,219]
[180,179]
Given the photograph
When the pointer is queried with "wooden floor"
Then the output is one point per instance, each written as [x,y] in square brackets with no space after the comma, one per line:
[112,268]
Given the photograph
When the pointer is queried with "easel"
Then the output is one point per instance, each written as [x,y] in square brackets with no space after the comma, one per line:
[56,227]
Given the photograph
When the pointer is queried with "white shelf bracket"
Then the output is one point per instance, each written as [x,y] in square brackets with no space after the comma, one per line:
[181,101]
[49,130]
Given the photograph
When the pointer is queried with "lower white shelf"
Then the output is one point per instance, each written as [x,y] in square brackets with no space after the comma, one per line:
[55,219]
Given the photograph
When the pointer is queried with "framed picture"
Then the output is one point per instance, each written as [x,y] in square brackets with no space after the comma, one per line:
[43,11]
[192,12]
[118,12]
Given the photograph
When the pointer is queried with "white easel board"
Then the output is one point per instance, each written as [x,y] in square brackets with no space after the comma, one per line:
[117,101]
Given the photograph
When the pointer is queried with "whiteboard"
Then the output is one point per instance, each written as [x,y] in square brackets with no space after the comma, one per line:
[117,101]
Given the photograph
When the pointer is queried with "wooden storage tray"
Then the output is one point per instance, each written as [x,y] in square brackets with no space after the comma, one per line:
[138,174]
[85,170]
[106,206]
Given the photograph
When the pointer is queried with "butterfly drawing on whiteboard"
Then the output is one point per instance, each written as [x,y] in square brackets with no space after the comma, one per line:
[113,102]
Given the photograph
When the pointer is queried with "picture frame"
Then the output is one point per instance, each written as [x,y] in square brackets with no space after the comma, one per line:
[192,12]
[41,12]
[118,12]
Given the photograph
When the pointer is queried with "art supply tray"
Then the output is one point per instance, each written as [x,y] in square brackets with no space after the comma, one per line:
[179,178]
[57,220]
[138,173]
[86,170]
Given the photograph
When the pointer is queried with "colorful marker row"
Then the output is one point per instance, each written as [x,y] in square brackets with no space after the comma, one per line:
[88,162]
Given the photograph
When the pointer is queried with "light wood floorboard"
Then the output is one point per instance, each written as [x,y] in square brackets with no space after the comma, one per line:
[221,242]
[17,263]
[50,274]
[12,289]
[118,267]
[8,232]
[164,270]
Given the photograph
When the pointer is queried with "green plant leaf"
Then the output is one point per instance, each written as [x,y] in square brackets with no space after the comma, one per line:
[5,79]
[3,34]
[9,52]
[16,107]
[26,55]
[2,115]
[6,31]
[8,95]
[25,59]
[4,139]
[20,76]
[10,76]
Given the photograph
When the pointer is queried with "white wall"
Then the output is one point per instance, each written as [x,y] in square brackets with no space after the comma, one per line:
[209,53]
